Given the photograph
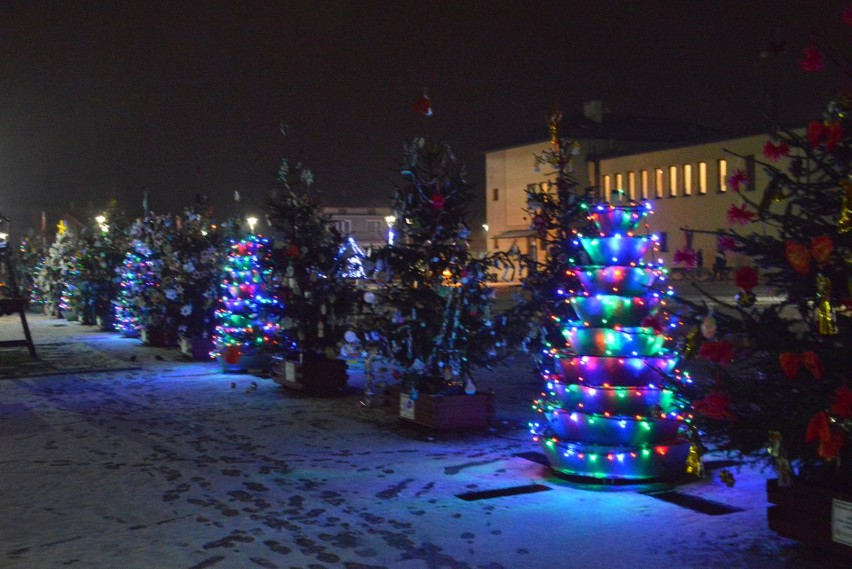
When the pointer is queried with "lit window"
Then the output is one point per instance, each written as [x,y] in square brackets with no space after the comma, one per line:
[659,189]
[643,180]
[631,185]
[344,226]
[687,179]
[607,184]
[495,194]
[702,178]
[619,182]
[723,176]
[672,181]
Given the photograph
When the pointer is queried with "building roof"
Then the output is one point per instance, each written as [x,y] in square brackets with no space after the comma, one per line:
[613,129]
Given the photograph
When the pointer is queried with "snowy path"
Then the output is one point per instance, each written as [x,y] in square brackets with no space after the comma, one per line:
[169,466]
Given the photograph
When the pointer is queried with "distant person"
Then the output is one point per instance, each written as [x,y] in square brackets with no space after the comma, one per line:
[720,266]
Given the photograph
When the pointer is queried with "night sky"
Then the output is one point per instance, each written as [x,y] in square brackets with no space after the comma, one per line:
[103,100]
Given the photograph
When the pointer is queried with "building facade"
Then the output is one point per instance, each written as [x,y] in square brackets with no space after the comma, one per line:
[687,185]
[369,226]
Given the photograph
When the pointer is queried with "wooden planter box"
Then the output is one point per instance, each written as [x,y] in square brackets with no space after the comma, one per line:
[197,349]
[814,516]
[156,338]
[442,412]
[310,376]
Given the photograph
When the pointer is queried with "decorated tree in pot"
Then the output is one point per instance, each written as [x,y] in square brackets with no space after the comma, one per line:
[249,311]
[779,388]
[311,261]
[193,270]
[31,255]
[435,310]
[144,305]
[101,254]
[60,262]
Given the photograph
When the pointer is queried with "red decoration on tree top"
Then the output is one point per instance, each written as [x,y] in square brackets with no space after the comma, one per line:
[813,59]
[423,105]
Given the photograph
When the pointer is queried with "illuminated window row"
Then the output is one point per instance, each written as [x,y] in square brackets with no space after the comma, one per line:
[673,181]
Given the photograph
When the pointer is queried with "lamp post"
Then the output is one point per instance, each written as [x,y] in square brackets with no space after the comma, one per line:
[390,220]
[101,220]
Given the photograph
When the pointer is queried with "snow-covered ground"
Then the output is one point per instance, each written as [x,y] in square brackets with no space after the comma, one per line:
[170,466]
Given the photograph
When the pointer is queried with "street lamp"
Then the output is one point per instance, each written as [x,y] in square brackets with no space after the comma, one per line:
[390,220]
[101,220]
[252,221]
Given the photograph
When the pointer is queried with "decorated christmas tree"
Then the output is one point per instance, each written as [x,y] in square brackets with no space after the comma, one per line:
[249,312]
[191,273]
[53,278]
[312,261]
[779,387]
[607,410]
[102,248]
[30,260]
[144,306]
[590,313]
[557,210]
[436,307]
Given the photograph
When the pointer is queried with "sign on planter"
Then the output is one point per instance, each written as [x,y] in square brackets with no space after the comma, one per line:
[841,522]
[406,406]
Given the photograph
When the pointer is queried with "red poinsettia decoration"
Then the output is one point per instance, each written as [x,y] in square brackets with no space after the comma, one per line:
[686,257]
[437,201]
[813,364]
[813,59]
[746,278]
[721,352]
[740,215]
[774,152]
[829,134]
[737,179]
[716,405]
[791,362]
